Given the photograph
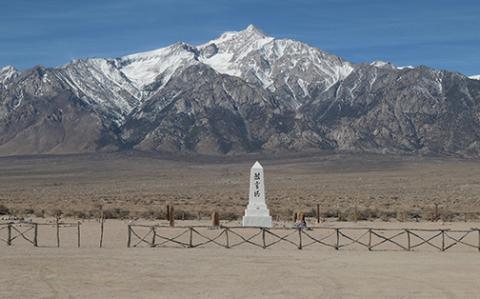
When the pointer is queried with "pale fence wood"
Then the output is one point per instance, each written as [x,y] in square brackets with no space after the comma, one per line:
[335,238]
[28,231]
[78,234]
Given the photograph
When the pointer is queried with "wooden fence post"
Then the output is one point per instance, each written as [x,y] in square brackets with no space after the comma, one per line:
[408,240]
[318,213]
[215,219]
[154,233]
[478,240]
[190,238]
[172,217]
[58,231]
[9,237]
[227,241]
[337,244]
[300,245]
[443,239]
[78,234]
[102,220]
[35,235]
[263,238]
[369,239]
[167,215]
[129,241]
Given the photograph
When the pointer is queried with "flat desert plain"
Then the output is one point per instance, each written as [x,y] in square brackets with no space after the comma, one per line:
[282,271]
[140,182]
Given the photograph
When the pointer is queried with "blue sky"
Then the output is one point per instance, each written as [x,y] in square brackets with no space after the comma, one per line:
[438,33]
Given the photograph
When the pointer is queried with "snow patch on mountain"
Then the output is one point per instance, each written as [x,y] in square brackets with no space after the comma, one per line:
[99,81]
[232,47]
[7,72]
[383,64]
[475,77]
[145,68]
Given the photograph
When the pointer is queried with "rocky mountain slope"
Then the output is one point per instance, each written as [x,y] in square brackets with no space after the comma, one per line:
[242,92]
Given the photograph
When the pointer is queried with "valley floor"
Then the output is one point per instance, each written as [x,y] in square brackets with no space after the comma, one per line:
[141,185]
[242,272]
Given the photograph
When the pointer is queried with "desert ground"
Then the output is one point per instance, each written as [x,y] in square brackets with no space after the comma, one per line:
[282,271]
[141,185]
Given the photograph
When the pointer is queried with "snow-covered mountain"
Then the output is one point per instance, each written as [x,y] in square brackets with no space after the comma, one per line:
[243,91]
[120,84]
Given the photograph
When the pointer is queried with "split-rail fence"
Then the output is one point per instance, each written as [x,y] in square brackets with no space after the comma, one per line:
[333,237]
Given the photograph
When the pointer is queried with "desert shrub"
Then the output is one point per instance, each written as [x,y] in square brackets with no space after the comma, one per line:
[427,214]
[56,213]
[387,215]
[311,213]
[116,213]
[4,210]
[229,216]
[447,215]
[152,214]
[28,211]
[329,213]
[39,213]
[182,214]
[414,215]
[79,214]
[342,216]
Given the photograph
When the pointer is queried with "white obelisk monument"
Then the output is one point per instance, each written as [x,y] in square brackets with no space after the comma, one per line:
[256,213]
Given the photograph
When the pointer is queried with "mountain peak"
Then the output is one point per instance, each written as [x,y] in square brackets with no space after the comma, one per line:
[249,34]
[253,29]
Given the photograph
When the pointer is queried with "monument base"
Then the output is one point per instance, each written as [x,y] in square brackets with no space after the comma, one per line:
[260,221]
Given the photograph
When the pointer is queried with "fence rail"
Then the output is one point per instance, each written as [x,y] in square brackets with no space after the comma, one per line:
[336,238]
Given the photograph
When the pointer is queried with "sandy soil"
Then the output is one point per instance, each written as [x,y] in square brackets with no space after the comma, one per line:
[142,183]
[139,183]
[207,273]
[242,272]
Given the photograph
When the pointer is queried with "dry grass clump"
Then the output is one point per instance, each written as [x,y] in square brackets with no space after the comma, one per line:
[4,210]
[229,215]
[116,213]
